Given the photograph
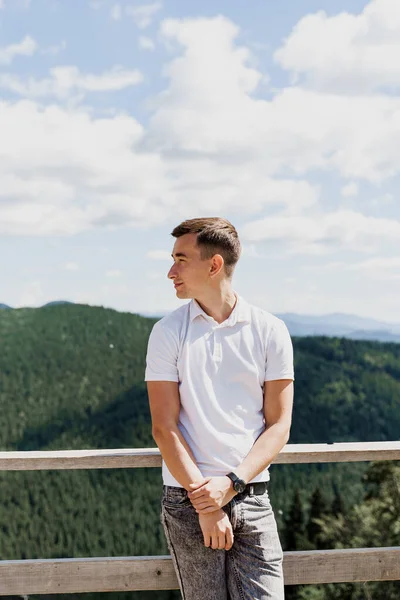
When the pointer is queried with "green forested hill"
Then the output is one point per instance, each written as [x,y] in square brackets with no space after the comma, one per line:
[346,390]
[71,376]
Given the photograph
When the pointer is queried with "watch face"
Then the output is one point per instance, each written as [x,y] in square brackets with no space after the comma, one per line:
[239,486]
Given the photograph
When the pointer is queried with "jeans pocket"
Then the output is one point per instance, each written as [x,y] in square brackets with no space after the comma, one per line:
[263,500]
[175,498]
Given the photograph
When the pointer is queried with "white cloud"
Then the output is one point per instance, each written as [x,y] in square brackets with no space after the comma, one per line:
[388,277]
[16,4]
[96,4]
[114,273]
[62,171]
[32,295]
[346,53]
[159,255]
[332,265]
[154,275]
[209,90]
[250,250]
[71,266]
[349,190]
[211,146]
[65,171]
[104,295]
[344,228]
[26,47]
[377,264]
[146,43]
[116,12]
[67,80]
[296,131]
[383,199]
[55,49]
[143,14]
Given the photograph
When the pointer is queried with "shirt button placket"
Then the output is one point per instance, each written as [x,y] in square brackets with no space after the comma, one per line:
[217,345]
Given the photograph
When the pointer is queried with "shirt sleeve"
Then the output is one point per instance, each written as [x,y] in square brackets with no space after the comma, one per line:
[162,355]
[279,359]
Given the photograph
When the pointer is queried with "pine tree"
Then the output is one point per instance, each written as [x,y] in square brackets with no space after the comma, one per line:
[318,509]
[295,539]
[295,524]
[337,503]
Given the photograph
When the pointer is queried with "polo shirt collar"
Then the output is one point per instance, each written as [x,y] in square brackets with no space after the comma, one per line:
[240,313]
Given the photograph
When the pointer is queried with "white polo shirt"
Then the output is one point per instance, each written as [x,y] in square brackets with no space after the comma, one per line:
[221,369]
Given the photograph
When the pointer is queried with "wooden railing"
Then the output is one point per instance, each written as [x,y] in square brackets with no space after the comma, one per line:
[131,573]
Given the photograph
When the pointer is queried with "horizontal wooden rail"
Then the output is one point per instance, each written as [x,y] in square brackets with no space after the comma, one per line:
[129,573]
[150,457]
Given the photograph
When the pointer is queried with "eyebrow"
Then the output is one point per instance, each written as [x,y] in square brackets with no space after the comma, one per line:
[179,254]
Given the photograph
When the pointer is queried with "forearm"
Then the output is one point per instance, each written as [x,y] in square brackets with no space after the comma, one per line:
[178,456]
[263,452]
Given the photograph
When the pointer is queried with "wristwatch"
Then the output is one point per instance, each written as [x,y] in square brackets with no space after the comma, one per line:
[238,484]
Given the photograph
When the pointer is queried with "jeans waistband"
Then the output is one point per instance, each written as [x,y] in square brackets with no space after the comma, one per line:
[252,489]
[256,489]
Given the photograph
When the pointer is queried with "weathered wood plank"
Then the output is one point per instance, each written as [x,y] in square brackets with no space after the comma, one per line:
[67,576]
[127,573]
[339,452]
[150,457]
[340,566]
[80,459]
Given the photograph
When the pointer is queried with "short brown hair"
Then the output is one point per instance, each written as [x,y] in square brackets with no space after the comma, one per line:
[214,236]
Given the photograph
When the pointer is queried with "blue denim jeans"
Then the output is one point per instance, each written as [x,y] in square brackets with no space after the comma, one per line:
[250,570]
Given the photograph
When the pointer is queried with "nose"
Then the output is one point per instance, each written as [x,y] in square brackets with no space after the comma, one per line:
[171,273]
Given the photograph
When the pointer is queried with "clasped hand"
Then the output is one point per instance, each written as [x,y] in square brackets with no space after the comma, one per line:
[211,494]
[207,497]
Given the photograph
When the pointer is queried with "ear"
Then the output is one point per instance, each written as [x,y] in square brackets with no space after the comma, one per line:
[217,264]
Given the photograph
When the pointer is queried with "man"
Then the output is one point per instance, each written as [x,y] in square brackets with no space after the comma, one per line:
[220,382]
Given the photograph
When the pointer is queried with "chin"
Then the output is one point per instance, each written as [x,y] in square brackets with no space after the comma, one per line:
[182,294]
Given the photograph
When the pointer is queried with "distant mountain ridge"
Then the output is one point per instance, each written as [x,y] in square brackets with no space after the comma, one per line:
[54,303]
[332,325]
[341,325]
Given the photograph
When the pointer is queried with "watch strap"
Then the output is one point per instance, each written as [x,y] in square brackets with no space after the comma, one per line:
[233,476]
[238,484]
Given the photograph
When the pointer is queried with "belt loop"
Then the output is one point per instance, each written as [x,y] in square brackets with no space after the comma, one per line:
[251,493]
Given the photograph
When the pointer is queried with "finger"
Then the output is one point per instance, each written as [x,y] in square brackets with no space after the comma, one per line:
[204,505]
[201,503]
[198,493]
[206,537]
[197,484]
[214,541]
[229,539]
[208,509]
[221,541]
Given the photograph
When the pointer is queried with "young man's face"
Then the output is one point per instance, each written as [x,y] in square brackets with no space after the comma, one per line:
[189,272]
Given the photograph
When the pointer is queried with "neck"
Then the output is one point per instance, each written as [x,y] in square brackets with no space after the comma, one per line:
[218,304]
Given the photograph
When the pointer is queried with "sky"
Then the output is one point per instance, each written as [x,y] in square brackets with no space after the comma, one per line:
[118,120]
